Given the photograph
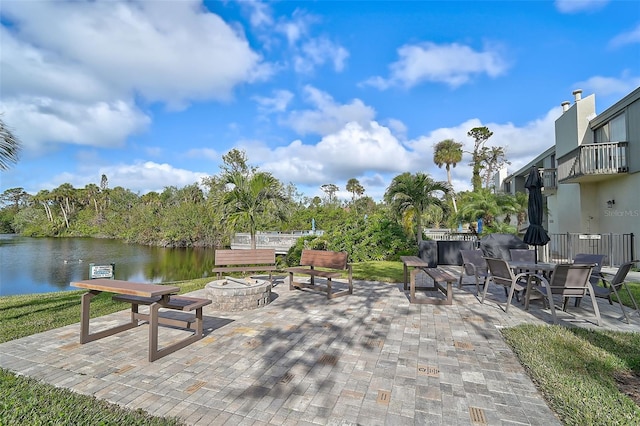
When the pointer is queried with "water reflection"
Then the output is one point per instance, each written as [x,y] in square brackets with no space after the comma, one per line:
[40,265]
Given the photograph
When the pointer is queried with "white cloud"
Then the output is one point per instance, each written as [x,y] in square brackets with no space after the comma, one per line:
[139,177]
[260,14]
[328,116]
[318,51]
[71,70]
[629,37]
[297,27]
[165,51]
[521,145]
[352,151]
[206,153]
[277,103]
[453,64]
[44,121]
[608,86]
[575,6]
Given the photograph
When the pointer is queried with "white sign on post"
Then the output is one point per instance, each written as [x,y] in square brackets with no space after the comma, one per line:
[101,271]
[589,236]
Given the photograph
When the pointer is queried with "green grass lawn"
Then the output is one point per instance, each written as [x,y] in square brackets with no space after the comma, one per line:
[575,369]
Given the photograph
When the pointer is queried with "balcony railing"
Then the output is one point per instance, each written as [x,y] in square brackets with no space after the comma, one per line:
[549,180]
[593,162]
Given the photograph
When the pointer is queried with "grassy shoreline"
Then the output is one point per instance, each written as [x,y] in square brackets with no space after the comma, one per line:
[576,370]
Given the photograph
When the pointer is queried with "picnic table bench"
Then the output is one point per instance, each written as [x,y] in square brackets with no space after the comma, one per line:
[252,260]
[157,297]
[332,263]
[438,275]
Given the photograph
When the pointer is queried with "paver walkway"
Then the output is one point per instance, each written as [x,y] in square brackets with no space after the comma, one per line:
[370,358]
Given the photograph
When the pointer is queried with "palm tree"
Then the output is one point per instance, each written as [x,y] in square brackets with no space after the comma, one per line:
[413,194]
[448,153]
[251,195]
[9,147]
[480,204]
[354,187]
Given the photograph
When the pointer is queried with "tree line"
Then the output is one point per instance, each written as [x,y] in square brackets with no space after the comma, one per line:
[242,198]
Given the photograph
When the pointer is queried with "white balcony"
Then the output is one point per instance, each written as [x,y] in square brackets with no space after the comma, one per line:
[593,162]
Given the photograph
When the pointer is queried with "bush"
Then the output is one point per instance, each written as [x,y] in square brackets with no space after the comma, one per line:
[372,238]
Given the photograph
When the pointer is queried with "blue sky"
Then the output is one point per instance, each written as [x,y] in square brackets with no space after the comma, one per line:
[153,93]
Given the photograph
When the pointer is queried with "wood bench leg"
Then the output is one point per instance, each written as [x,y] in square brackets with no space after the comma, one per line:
[412,287]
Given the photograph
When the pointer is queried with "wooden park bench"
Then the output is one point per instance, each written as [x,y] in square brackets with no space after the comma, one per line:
[253,260]
[332,265]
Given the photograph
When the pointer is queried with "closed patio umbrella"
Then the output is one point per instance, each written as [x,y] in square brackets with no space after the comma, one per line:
[536,235]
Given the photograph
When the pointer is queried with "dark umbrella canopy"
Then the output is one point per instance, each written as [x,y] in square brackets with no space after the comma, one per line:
[536,235]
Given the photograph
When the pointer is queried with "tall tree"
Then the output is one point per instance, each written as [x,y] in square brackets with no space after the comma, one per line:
[330,189]
[448,153]
[354,187]
[480,136]
[413,194]
[9,146]
[251,195]
[494,159]
[15,197]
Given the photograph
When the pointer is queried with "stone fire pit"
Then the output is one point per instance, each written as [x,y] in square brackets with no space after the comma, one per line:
[239,294]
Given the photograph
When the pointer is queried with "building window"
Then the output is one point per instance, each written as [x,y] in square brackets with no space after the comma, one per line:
[614,130]
[618,129]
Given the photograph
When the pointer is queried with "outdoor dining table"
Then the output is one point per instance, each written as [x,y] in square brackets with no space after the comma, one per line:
[540,267]
[532,268]
[155,295]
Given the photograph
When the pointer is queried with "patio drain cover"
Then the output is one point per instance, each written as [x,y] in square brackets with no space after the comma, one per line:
[424,370]
[327,359]
[477,415]
[383,397]
[373,343]
[286,378]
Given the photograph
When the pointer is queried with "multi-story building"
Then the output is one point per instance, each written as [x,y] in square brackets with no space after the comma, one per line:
[592,174]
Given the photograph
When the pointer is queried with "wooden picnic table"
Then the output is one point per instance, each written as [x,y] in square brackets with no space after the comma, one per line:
[438,275]
[156,296]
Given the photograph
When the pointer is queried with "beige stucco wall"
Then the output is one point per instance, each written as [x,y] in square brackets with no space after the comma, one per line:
[572,127]
[560,207]
[624,216]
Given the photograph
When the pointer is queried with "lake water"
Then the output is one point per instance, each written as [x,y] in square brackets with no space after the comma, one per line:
[42,265]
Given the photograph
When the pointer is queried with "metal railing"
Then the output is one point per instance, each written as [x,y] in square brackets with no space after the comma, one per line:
[281,242]
[617,248]
[594,159]
[550,179]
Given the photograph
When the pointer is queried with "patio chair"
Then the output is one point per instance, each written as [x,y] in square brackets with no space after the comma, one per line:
[501,274]
[595,259]
[596,274]
[615,284]
[473,265]
[522,255]
[567,280]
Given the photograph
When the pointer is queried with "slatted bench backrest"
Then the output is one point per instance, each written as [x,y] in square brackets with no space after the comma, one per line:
[324,259]
[245,257]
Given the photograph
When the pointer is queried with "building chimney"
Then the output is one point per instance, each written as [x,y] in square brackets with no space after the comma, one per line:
[565,106]
[577,94]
